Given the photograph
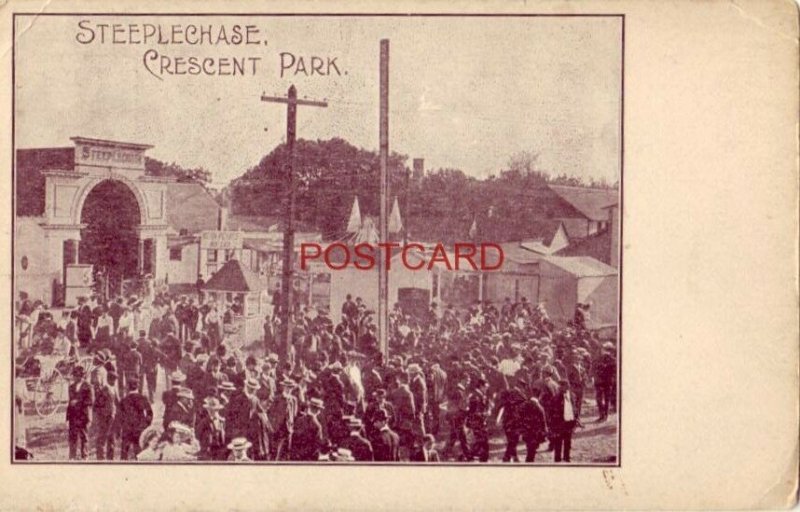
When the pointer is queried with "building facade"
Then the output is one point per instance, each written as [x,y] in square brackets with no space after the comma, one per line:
[89,204]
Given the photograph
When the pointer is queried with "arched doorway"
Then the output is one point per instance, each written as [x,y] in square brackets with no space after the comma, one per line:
[110,241]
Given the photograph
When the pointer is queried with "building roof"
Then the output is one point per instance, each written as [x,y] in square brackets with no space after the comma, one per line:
[582,266]
[234,277]
[109,143]
[502,229]
[261,223]
[591,202]
[598,246]
[190,207]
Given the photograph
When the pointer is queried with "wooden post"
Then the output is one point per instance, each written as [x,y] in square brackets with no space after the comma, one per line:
[383,274]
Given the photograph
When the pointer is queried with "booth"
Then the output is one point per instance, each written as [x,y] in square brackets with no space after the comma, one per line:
[235,284]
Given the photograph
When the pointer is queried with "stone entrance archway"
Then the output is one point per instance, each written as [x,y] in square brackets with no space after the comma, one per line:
[102,209]
[111,218]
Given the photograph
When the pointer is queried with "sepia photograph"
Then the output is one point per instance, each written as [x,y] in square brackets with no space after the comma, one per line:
[317,239]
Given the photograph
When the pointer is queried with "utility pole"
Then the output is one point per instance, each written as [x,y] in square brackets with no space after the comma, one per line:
[287,299]
[383,274]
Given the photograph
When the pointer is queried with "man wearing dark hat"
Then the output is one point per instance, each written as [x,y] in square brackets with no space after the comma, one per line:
[360,447]
[115,311]
[377,402]
[605,372]
[79,413]
[437,381]
[130,364]
[135,415]
[170,396]
[533,421]
[386,443]
[309,439]
[106,403]
[457,407]
[562,420]
[150,355]
[418,388]
[476,419]
[406,414]
[509,414]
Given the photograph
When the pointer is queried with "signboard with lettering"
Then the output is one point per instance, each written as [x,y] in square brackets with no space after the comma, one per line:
[109,156]
[221,240]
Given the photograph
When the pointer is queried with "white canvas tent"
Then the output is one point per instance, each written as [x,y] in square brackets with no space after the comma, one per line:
[567,280]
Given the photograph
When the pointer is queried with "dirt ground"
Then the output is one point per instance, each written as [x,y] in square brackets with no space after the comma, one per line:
[594,443]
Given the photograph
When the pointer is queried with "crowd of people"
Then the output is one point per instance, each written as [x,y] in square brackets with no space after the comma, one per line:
[454,377]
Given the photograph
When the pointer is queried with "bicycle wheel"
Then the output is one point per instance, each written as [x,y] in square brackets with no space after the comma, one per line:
[48,393]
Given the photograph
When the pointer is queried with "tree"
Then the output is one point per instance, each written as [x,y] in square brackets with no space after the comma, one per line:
[154,167]
[524,164]
[328,175]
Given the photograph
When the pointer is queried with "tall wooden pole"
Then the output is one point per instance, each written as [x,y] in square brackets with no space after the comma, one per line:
[288,232]
[383,274]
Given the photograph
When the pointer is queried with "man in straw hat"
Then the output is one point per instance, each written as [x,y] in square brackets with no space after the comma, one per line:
[211,430]
[309,438]
[246,417]
[183,411]
[360,447]
[238,447]
[282,414]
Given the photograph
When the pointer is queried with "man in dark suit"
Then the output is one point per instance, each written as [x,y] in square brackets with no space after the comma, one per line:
[79,413]
[149,368]
[476,419]
[562,420]
[533,426]
[605,369]
[385,444]
[402,401]
[308,439]
[135,415]
[360,447]
[419,389]
[377,402]
[170,396]
[508,411]
[106,403]
[183,411]
[437,380]
[427,452]
[282,413]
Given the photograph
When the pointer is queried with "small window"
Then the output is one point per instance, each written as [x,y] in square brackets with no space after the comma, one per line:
[212,256]
[175,253]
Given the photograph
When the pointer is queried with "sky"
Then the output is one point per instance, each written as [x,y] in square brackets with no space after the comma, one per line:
[465,93]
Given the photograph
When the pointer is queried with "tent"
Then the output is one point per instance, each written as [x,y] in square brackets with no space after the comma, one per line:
[567,280]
